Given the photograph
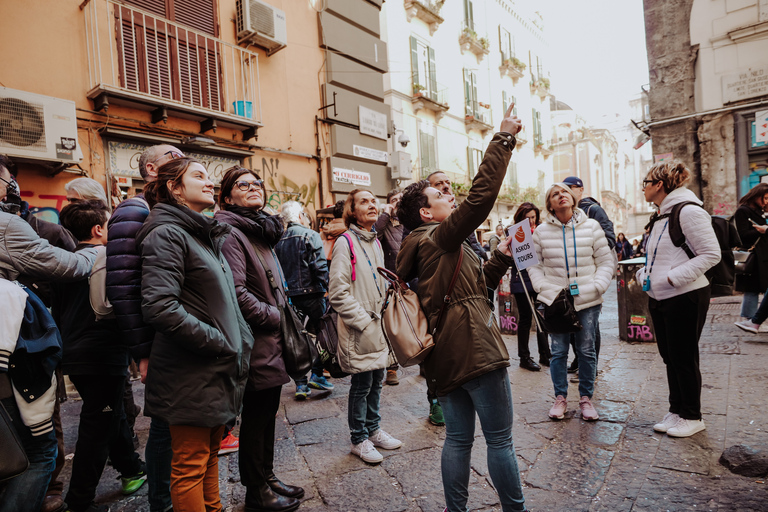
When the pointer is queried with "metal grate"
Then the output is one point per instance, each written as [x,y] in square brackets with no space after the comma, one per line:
[263,19]
[21,124]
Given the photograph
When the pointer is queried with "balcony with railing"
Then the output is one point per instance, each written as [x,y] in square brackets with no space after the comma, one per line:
[540,87]
[478,117]
[469,40]
[427,11]
[433,96]
[511,66]
[145,61]
[545,148]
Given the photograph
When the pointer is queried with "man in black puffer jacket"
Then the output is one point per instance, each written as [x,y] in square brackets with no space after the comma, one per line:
[124,292]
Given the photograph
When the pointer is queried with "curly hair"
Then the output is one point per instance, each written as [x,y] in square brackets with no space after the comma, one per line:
[413,200]
[672,175]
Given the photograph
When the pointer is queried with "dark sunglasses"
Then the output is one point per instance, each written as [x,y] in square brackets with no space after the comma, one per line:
[245,186]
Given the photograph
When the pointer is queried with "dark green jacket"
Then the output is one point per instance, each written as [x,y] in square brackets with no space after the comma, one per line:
[199,360]
[469,342]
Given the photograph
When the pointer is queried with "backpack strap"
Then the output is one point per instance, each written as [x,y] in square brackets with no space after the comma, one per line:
[676,232]
[352,254]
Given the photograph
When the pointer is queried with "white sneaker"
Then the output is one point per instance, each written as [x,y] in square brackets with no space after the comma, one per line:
[748,326]
[669,421]
[383,440]
[686,428]
[367,452]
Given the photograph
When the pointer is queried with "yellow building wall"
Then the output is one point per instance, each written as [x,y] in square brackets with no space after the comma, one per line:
[45,52]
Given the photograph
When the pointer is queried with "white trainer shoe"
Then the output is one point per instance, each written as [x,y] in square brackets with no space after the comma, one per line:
[383,440]
[367,452]
[748,326]
[669,421]
[686,428]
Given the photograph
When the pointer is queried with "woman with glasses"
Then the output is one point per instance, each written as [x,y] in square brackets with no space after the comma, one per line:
[575,257]
[249,250]
[199,359]
[678,291]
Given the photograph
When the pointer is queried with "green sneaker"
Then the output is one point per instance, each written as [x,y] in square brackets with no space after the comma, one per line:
[436,414]
[131,484]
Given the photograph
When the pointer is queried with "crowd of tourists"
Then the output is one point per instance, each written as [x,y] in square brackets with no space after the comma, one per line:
[198,303]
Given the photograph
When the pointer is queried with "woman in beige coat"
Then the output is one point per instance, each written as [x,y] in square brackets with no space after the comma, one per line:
[357,292]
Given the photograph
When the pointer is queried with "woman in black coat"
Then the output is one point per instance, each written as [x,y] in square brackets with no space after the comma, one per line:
[199,359]
[623,247]
[254,235]
[751,226]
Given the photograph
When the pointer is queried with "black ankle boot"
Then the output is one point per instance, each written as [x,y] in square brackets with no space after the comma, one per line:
[263,499]
[292,491]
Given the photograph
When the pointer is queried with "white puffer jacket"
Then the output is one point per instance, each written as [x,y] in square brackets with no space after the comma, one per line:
[672,263]
[595,260]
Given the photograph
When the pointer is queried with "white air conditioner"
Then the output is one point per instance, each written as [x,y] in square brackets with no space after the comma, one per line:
[262,25]
[38,127]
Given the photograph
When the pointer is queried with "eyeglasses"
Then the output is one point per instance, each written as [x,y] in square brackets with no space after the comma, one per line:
[245,186]
[173,154]
[73,199]
[646,182]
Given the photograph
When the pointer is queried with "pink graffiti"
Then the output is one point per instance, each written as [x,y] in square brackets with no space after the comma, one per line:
[508,323]
[639,332]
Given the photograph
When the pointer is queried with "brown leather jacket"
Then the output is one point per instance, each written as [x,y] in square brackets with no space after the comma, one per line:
[468,343]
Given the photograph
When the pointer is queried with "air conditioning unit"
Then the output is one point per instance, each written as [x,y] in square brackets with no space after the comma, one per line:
[262,25]
[38,127]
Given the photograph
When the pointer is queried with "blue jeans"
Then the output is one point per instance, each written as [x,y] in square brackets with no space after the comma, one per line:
[585,350]
[27,491]
[490,396]
[159,454]
[364,401]
[749,304]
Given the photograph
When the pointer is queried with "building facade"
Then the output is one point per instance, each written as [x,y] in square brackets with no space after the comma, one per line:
[709,93]
[454,67]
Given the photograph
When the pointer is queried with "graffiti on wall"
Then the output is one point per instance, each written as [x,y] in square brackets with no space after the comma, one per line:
[281,189]
[638,330]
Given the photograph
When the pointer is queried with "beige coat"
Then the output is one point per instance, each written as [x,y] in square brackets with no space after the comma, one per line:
[362,347]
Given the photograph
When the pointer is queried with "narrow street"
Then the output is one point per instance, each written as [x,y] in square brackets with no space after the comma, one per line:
[616,464]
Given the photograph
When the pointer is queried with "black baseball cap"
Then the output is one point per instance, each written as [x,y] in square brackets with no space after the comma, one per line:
[574,181]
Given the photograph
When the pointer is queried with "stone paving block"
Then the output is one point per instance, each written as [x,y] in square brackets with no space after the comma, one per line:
[670,490]
[320,430]
[611,503]
[287,456]
[688,454]
[418,472]
[297,411]
[566,467]
[610,410]
[546,500]
[596,433]
[620,384]
[369,489]
[331,457]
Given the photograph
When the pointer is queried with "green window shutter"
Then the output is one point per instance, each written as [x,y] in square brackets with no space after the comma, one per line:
[415,63]
[512,99]
[470,163]
[432,153]
[505,100]
[432,75]
[535,127]
[538,125]
[467,93]
[424,150]
[469,15]
[475,106]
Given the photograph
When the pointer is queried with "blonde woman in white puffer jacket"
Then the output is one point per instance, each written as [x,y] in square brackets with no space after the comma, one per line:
[573,255]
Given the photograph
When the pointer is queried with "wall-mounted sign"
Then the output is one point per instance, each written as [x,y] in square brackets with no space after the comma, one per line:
[760,129]
[373,123]
[351,176]
[370,153]
[748,83]
[664,157]
[124,161]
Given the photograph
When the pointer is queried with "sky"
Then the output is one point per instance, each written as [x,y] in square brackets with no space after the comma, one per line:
[597,55]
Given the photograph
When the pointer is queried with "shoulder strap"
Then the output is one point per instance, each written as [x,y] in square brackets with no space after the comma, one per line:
[353,258]
[447,298]
[676,232]
[271,276]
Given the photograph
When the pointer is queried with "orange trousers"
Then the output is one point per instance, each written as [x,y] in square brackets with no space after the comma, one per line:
[195,468]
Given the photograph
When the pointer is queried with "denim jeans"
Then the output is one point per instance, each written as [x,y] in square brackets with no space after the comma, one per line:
[749,304]
[364,400]
[490,396]
[761,314]
[585,350]
[27,491]
[159,455]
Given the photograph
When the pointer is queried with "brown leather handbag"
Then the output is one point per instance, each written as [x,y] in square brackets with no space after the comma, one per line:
[404,323]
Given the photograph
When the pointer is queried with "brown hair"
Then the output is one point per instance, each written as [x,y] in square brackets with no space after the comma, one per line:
[755,193]
[231,175]
[172,171]
[672,175]
[524,209]
[349,207]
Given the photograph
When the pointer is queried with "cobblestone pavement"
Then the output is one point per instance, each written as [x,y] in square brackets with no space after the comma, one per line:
[615,464]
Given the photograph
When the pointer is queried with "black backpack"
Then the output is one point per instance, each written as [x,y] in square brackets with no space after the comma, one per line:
[722,275]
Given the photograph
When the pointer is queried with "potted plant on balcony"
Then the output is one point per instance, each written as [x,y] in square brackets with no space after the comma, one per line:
[544,82]
[418,90]
[484,43]
[517,63]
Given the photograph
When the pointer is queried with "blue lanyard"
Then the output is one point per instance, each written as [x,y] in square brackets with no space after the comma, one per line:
[575,256]
[650,269]
[369,262]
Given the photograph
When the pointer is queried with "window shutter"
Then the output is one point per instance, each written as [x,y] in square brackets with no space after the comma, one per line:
[467,93]
[471,15]
[157,63]
[432,75]
[504,101]
[414,62]
[432,153]
[475,107]
[424,149]
[198,14]
[512,99]
[501,43]
[153,6]
[470,163]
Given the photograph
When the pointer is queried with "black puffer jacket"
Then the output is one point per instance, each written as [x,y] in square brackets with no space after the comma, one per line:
[199,361]
[744,216]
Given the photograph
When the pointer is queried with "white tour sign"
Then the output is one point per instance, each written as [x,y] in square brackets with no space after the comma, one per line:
[351,176]
[522,245]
